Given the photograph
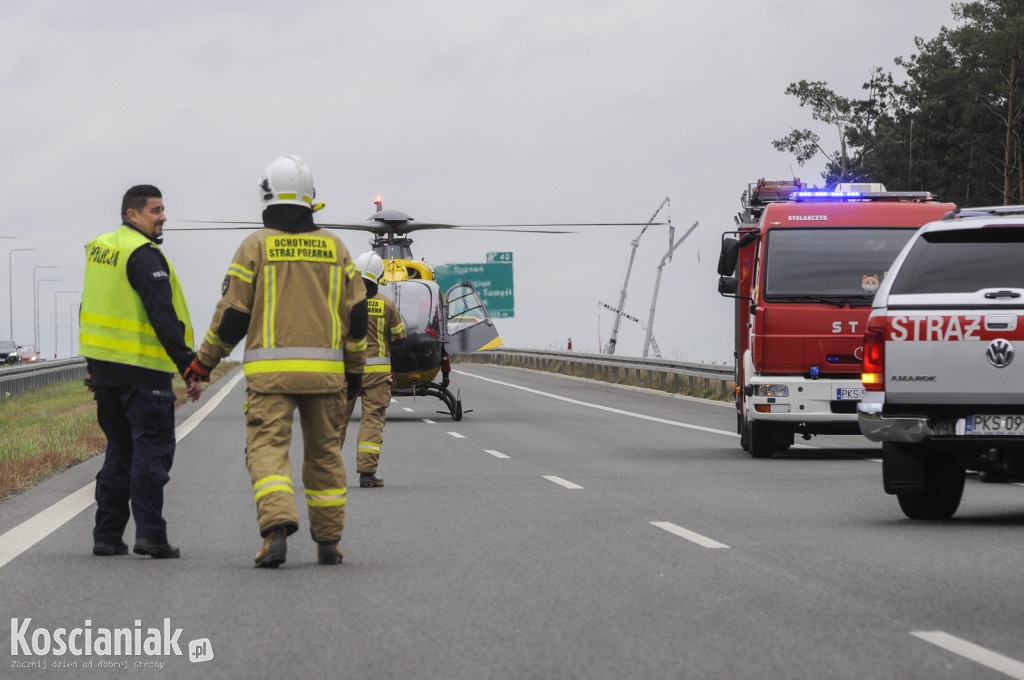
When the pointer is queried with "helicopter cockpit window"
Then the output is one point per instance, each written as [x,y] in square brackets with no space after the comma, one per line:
[465,308]
[419,303]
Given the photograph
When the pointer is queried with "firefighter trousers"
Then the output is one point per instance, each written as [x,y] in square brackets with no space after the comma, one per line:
[374,401]
[268,437]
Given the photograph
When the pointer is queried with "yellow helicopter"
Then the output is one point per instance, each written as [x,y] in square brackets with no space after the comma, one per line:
[438,324]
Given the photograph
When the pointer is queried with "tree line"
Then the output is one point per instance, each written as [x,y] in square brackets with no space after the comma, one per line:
[954,127]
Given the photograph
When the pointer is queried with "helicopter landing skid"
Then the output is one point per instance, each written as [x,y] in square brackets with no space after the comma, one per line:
[452,401]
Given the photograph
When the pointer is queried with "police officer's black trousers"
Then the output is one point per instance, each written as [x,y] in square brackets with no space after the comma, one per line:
[138,421]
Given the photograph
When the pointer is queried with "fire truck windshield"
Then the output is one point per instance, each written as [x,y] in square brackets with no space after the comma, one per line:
[830,264]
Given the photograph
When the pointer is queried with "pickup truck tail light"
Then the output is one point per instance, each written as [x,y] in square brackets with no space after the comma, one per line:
[873,371]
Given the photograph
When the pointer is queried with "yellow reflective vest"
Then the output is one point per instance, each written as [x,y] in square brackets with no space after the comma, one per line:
[113,323]
[385,325]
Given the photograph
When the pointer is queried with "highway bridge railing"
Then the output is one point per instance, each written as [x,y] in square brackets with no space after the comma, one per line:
[708,381]
[23,378]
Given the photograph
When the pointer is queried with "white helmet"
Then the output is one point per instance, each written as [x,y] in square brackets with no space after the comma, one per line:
[288,181]
[371,267]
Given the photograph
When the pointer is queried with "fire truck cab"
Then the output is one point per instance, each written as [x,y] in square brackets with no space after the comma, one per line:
[803,267]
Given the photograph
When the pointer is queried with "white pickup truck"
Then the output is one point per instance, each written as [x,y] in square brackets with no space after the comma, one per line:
[943,391]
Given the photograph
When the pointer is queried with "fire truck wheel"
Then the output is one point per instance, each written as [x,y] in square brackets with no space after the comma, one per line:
[943,489]
[762,439]
[744,429]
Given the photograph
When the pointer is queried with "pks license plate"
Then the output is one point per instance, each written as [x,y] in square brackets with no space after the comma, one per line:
[845,393]
[990,425]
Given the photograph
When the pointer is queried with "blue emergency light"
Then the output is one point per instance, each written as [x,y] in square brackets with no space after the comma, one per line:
[840,195]
[815,372]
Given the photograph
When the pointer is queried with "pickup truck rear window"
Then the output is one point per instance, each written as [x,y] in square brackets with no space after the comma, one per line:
[834,263]
[963,261]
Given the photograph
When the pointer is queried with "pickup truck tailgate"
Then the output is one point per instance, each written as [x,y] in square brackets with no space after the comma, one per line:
[966,356]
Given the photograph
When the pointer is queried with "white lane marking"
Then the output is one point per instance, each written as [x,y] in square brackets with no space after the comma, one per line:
[407,409]
[457,435]
[31,531]
[874,460]
[986,657]
[206,408]
[689,535]
[39,526]
[1017,483]
[631,414]
[558,480]
[496,454]
[428,421]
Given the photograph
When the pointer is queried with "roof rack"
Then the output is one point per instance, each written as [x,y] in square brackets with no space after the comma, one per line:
[984,211]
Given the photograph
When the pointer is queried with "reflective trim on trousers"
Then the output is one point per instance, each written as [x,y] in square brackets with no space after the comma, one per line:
[325,497]
[271,484]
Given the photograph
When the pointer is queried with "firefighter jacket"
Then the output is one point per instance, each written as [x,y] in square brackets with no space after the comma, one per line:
[385,326]
[114,324]
[296,291]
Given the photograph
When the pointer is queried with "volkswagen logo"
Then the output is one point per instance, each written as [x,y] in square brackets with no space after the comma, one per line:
[999,353]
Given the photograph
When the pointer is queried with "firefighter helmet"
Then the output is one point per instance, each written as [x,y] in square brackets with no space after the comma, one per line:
[288,181]
[371,266]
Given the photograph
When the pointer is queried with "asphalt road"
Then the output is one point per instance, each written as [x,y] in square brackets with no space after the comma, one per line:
[563,529]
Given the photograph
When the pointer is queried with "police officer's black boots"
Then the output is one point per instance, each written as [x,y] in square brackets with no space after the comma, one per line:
[274,550]
[158,550]
[369,479]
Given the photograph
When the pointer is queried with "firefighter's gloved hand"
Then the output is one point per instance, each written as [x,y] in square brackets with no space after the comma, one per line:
[196,372]
[354,383]
[88,383]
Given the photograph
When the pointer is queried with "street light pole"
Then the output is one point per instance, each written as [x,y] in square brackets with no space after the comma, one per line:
[36,300]
[71,327]
[35,303]
[55,296]
[10,283]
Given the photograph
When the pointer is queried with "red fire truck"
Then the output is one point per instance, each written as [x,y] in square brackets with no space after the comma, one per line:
[803,267]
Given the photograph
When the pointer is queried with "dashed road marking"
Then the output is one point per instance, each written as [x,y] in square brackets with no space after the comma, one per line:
[986,657]
[566,483]
[496,454]
[457,435]
[428,421]
[407,409]
[689,535]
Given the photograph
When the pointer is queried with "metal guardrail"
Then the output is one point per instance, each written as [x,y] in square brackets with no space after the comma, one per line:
[17,379]
[698,370]
[665,374]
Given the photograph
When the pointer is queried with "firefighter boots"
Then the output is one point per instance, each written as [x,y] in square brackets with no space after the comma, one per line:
[328,553]
[369,479]
[274,550]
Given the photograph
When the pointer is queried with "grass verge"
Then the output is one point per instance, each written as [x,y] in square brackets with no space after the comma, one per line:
[52,428]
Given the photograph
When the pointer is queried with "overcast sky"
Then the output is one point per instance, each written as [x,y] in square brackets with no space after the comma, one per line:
[456,111]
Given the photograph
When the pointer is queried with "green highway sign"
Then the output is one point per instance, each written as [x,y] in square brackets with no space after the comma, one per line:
[492,280]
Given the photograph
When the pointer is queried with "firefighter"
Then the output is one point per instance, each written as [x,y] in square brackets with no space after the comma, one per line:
[385,329]
[293,292]
[135,334]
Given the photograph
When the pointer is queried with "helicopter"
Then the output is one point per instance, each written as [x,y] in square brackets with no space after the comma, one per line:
[438,324]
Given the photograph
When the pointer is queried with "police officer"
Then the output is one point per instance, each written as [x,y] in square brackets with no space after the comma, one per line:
[135,333]
[294,294]
[386,328]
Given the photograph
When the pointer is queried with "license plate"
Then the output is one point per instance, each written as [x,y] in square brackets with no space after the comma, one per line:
[1000,425]
[845,393]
